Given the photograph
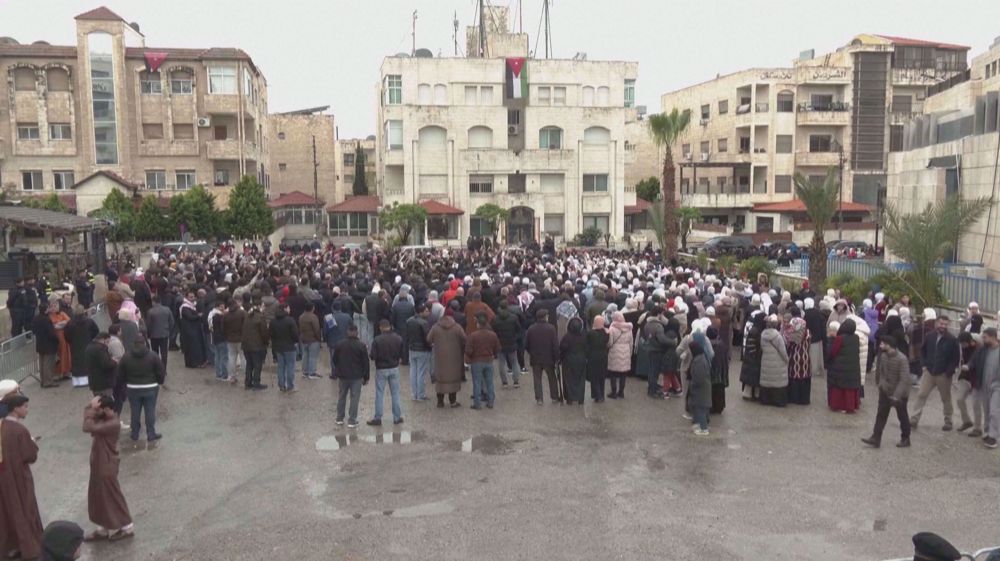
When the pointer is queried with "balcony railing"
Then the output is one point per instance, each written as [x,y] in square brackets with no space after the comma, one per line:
[743,109]
[761,108]
[834,106]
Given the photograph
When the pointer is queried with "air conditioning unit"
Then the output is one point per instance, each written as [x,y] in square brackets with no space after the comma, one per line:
[703,122]
[513,130]
[687,155]
[704,156]
[204,121]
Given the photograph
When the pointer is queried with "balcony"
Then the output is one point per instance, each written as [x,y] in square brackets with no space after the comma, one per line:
[221,104]
[828,114]
[164,147]
[230,150]
[761,107]
[901,114]
[824,159]
[728,198]
[504,160]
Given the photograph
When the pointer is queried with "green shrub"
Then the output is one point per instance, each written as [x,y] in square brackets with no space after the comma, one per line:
[588,237]
[753,266]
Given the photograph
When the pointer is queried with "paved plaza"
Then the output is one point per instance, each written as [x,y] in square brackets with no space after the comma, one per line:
[262,475]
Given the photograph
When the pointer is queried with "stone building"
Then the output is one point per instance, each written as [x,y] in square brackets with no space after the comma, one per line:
[292,136]
[753,130]
[164,119]
[347,151]
[544,138]
[951,149]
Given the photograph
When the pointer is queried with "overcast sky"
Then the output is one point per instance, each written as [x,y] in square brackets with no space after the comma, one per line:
[328,52]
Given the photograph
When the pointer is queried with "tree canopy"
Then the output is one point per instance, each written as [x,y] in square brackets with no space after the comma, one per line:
[360,185]
[648,189]
[248,216]
[494,214]
[665,128]
[688,216]
[822,202]
[195,210]
[404,219]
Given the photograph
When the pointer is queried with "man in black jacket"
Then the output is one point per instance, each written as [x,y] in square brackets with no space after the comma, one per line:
[387,351]
[816,324]
[350,358]
[507,326]
[100,365]
[284,342]
[941,356]
[143,375]
[420,350]
[47,347]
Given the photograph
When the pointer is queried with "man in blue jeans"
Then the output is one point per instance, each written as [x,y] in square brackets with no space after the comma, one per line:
[284,342]
[481,349]
[387,351]
[143,374]
[417,329]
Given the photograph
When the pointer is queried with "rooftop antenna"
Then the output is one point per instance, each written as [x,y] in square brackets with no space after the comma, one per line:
[482,30]
[548,28]
[454,35]
[520,16]
[413,51]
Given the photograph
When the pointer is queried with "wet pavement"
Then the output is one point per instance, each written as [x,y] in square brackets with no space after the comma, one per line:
[264,475]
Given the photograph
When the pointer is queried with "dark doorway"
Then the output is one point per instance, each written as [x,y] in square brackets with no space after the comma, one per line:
[521,226]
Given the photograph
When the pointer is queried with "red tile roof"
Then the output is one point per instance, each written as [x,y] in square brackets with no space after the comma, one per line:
[437,207]
[295,198]
[361,203]
[101,13]
[640,206]
[907,42]
[112,176]
[798,206]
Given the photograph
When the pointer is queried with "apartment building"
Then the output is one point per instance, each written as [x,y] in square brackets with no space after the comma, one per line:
[161,120]
[753,130]
[347,155]
[544,138]
[950,149]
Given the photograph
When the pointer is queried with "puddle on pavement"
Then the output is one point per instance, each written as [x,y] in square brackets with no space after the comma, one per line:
[879,525]
[485,444]
[332,443]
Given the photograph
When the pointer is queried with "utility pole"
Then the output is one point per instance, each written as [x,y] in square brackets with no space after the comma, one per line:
[482,30]
[454,35]
[548,29]
[316,184]
[413,51]
[520,16]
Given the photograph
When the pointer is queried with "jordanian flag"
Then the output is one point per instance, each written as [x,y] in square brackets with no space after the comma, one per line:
[516,82]
[154,60]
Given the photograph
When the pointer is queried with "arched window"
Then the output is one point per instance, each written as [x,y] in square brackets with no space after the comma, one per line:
[432,137]
[786,102]
[24,79]
[588,96]
[57,79]
[424,94]
[596,136]
[440,94]
[603,95]
[480,137]
[550,138]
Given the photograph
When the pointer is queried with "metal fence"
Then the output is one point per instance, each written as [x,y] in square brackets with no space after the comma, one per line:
[18,360]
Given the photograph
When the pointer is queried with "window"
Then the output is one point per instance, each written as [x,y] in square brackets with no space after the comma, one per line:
[156,179]
[281,136]
[186,179]
[783,144]
[394,134]
[703,184]
[706,112]
[27,131]
[282,166]
[348,224]
[550,138]
[471,95]
[744,145]
[149,83]
[706,147]
[902,103]
[786,102]
[183,131]
[820,143]
[486,95]
[596,136]
[629,93]
[595,183]
[152,131]
[551,182]
[442,227]
[782,184]
[424,94]
[686,150]
[559,95]
[480,227]
[24,79]
[63,180]
[516,183]
[440,94]
[348,159]
[222,80]
[513,116]
[57,80]
[721,182]
[554,224]
[393,89]
[60,131]
[480,137]
[221,177]
[181,82]
[588,96]
[821,102]
[102,83]
[723,106]
[599,221]
[686,185]
[544,95]
[895,138]
[722,145]
[32,181]
[480,183]
[816,179]
[603,96]
[765,224]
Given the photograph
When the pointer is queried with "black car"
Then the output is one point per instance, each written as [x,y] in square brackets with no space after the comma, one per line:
[727,243]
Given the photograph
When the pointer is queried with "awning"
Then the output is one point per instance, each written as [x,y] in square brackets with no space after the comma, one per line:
[437,208]
[49,220]
[640,206]
[798,206]
[295,198]
[361,203]
[946,162]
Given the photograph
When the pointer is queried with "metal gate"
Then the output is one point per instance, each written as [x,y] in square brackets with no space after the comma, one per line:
[18,360]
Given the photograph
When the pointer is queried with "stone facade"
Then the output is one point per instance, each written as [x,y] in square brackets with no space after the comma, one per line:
[200,119]
[292,154]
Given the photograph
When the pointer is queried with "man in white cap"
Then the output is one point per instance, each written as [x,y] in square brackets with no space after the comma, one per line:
[7,387]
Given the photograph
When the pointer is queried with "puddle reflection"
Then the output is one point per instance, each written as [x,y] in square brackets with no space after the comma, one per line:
[332,443]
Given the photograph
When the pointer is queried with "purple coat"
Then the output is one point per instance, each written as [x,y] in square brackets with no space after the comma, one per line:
[871,318]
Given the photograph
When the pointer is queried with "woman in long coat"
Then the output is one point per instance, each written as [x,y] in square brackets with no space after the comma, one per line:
[720,368]
[619,354]
[597,358]
[573,362]
[750,369]
[59,321]
[447,339]
[192,341]
[799,378]
[80,331]
[565,311]
[844,370]
[105,501]
[773,366]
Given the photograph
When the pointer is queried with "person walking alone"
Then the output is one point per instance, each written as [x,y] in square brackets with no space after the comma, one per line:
[105,502]
[941,357]
[892,370]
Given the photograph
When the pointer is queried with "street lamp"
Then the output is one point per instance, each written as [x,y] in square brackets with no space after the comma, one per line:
[839,149]
[878,211]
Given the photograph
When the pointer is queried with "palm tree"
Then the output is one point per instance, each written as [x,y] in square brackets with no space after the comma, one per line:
[923,240]
[665,128]
[821,202]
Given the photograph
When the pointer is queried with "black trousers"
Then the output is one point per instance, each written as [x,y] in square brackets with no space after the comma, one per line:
[884,405]
[597,386]
[255,362]
[617,382]
[160,346]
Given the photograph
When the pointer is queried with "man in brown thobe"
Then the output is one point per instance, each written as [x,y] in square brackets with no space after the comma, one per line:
[105,501]
[20,522]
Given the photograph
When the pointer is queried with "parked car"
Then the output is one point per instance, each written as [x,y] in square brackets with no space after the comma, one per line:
[844,245]
[725,243]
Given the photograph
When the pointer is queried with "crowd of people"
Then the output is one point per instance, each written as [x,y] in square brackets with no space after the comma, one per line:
[574,318]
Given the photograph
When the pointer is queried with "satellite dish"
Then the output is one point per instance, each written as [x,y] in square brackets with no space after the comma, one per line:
[370,137]
[41,43]
[402,55]
[135,26]
[8,41]
[423,53]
